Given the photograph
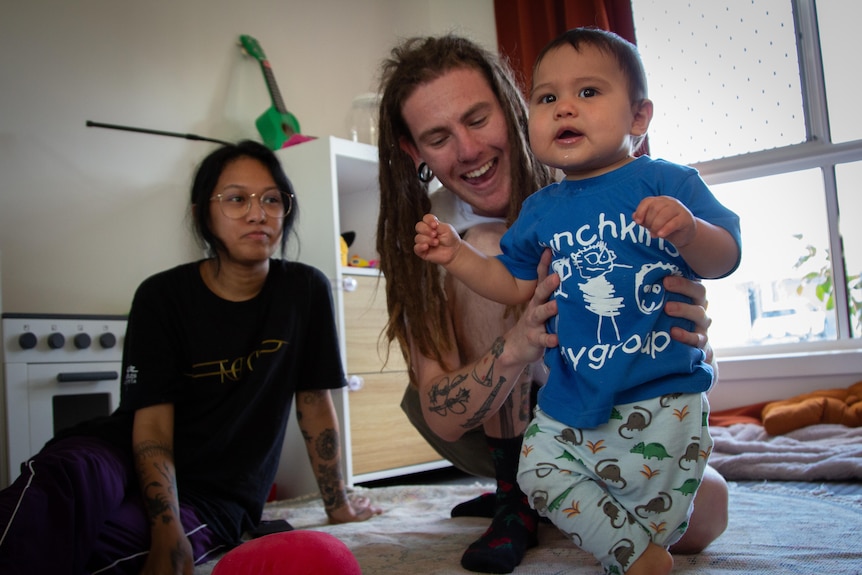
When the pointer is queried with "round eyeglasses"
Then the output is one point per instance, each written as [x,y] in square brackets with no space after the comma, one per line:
[236,205]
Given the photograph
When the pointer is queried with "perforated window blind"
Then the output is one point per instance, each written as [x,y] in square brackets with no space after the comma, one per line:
[839,40]
[728,78]
[724,77]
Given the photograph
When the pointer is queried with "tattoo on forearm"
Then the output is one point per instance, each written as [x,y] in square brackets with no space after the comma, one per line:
[451,396]
[158,506]
[147,449]
[327,445]
[159,480]
[481,413]
[331,486]
[313,397]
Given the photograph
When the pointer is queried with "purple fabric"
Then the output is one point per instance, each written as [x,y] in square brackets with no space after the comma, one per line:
[76,508]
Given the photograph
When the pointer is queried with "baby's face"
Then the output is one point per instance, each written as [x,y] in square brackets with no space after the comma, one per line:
[581,118]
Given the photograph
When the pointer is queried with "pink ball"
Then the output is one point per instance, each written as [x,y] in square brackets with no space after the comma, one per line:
[300,552]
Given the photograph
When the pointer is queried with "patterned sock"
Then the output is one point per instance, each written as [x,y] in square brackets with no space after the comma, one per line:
[482,506]
[513,530]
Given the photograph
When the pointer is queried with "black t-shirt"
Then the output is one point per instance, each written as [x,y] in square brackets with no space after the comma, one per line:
[231,369]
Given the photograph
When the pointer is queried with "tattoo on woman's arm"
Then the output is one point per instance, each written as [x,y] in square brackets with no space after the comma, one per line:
[146,449]
[327,445]
[331,486]
[159,508]
[314,396]
[159,483]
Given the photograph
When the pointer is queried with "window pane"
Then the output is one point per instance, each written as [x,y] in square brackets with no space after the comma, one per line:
[767,301]
[724,77]
[839,24]
[850,205]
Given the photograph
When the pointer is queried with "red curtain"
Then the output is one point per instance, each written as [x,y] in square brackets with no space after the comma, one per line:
[525,26]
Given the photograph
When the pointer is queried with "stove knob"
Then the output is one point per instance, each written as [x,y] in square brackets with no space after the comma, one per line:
[107,340]
[28,340]
[56,340]
[82,341]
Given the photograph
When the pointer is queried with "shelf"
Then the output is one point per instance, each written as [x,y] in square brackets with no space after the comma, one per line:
[336,185]
[356,271]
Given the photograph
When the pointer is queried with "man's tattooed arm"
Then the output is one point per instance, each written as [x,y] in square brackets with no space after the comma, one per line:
[452,396]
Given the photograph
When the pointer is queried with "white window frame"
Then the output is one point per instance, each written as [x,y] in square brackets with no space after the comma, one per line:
[817,152]
[763,373]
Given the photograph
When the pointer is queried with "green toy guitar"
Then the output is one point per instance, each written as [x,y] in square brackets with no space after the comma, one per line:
[278,127]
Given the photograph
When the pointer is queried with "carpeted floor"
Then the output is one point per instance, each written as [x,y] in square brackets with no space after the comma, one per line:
[773,529]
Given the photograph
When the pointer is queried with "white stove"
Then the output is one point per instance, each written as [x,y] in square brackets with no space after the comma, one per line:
[58,370]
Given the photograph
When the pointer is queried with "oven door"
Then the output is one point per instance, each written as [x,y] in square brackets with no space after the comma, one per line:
[61,395]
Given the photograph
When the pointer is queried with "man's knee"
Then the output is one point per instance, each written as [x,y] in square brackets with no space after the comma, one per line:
[710,516]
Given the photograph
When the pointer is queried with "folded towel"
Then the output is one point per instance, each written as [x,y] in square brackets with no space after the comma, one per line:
[744,414]
[841,406]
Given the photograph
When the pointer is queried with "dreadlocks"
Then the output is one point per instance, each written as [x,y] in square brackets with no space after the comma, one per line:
[415,297]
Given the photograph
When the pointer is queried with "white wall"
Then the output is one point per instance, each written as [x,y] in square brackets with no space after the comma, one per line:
[87,213]
[749,379]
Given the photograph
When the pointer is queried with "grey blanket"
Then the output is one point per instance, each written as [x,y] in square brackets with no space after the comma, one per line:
[822,452]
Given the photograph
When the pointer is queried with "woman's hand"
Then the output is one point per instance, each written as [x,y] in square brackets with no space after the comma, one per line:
[355,509]
[170,554]
[694,312]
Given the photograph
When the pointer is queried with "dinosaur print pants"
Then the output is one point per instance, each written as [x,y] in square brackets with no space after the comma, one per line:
[614,488]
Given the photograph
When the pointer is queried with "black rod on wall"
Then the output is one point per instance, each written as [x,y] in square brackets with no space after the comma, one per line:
[91,124]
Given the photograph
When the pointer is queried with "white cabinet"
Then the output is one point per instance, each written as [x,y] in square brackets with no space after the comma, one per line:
[383,442]
[337,191]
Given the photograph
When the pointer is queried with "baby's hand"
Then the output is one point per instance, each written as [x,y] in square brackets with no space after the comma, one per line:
[436,241]
[666,217]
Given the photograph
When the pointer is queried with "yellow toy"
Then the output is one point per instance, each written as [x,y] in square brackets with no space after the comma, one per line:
[354,261]
[346,239]
[358,262]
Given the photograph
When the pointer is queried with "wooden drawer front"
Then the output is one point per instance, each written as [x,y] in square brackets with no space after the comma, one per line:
[364,320]
[381,435]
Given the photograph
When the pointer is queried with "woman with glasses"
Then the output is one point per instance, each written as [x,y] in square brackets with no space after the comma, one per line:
[215,353]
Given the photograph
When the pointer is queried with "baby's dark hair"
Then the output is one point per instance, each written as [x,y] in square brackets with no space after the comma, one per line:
[625,53]
[207,176]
